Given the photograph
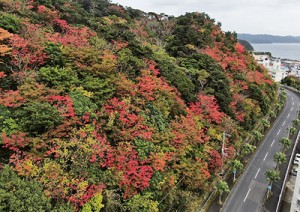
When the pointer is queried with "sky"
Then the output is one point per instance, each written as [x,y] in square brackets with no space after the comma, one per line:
[276,17]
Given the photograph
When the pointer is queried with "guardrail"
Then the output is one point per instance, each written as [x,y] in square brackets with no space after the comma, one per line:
[287,173]
[291,89]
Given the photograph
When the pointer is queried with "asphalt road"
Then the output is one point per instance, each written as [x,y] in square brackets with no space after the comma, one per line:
[248,193]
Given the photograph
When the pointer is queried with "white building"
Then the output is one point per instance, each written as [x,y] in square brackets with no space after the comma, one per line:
[262,59]
[273,65]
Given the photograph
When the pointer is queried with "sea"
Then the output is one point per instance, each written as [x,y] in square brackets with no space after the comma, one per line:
[282,50]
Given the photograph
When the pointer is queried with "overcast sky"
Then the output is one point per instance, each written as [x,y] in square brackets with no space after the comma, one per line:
[277,17]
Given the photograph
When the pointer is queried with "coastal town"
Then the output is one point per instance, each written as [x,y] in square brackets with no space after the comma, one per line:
[278,68]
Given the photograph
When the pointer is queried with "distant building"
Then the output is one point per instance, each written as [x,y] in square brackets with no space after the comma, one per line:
[273,65]
[262,59]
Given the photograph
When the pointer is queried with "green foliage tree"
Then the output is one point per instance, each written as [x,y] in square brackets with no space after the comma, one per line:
[82,103]
[143,203]
[128,63]
[272,176]
[279,158]
[272,114]
[257,135]
[286,143]
[264,101]
[101,89]
[236,166]
[247,149]
[265,123]
[7,123]
[94,205]
[190,30]
[20,195]
[175,75]
[222,187]
[60,78]
[296,122]
[293,130]
[54,55]
[10,22]
[219,82]
[37,117]
[291,81]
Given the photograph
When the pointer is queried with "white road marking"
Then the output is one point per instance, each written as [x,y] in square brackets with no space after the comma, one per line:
[289,115]
[266,156]
[247,195]
[292,109]
[293,103]
[283,123]
[272,142]
[278,132]
[257,173]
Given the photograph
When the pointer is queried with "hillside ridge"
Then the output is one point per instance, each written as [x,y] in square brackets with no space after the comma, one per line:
[265,38]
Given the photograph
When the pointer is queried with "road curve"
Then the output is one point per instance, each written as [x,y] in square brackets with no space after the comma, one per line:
[248,192]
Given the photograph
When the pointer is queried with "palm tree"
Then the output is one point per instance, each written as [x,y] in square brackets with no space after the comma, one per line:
[222,187]
[286,143]
[283,97]
[272,176]
[279,158]
[236,165]
[257,135]
[296,122]
[278,105]
[272,113]
[293,130]
[265,123]
[247,149]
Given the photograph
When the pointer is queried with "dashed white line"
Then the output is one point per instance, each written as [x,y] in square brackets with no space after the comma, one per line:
[266,156]
[289,115]
[293,103]
[272,142]
[257,173]
[292,109]
[283,123]
[247,195]
[278,132]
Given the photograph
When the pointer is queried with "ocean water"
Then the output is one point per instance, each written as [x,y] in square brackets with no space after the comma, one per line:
[282,50]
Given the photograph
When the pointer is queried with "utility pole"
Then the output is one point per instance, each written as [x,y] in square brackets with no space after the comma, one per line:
[223,151]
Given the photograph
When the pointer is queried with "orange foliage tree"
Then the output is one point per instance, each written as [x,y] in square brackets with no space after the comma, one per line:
[4,49]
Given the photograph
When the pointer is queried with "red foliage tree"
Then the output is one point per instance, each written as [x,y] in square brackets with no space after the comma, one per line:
[207,107]
[70,36]
[215,162]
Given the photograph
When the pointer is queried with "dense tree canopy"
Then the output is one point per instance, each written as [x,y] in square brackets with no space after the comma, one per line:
[110,108]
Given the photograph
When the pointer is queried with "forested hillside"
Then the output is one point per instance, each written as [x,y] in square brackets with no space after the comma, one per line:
[106,107]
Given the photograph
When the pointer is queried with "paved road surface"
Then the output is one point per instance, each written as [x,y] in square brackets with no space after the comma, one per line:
[248,192]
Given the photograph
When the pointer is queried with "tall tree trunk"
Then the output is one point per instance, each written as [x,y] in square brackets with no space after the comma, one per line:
[220,198]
